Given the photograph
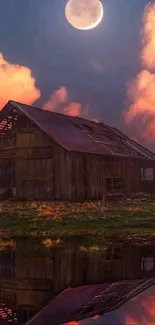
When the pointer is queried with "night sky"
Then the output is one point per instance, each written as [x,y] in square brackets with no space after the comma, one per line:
[93,65]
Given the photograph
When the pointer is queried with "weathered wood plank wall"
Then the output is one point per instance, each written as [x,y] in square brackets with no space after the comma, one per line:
[45,170]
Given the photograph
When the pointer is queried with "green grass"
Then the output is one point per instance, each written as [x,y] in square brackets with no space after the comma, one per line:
[93,222]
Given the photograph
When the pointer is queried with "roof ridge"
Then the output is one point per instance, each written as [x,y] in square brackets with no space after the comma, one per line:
[57,113]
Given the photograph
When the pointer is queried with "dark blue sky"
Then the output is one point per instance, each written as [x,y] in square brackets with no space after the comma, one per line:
[35,33]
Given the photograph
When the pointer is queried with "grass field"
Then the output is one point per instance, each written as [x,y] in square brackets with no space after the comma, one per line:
[61,221]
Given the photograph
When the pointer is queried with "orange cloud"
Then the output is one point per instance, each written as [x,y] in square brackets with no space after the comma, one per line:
[58,97]
[148,37]
[141,91]
[74,109]
[60,102]
[16,83]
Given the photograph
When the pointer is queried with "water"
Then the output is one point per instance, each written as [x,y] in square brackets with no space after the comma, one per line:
[138,311]
[31,275]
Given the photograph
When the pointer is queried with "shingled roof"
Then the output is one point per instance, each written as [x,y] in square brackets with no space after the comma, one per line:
[79,134]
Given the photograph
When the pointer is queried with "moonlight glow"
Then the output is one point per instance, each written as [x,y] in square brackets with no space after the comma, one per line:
[84,14]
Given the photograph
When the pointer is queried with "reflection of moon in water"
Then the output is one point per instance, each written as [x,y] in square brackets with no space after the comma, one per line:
[84,14]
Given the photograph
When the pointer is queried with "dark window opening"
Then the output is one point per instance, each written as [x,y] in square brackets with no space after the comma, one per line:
[114,185]
[147,263]
[147,174]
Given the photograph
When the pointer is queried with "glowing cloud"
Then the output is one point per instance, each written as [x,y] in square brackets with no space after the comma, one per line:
[74,109]
[141,91]
[60,102]
[148,37]
[58,97]
[16,83]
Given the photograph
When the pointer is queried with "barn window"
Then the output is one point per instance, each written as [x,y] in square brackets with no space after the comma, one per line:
[147,174]
[147,263]
[113,185]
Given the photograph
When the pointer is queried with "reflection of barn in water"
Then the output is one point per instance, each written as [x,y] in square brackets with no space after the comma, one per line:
[30,276]
[7,315]
[45,155]
[90,301]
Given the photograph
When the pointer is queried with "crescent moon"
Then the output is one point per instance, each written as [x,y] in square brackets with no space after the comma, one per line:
[84,15]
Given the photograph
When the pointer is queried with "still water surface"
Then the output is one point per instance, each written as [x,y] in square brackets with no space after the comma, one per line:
[31,275]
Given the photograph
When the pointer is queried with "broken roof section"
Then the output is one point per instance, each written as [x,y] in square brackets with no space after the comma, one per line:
[78,134]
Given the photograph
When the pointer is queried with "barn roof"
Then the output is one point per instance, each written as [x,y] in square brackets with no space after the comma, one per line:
[79,134]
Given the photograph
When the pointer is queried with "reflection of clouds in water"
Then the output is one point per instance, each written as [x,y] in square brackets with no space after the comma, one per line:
[138,311]
[107,319]
[144,313]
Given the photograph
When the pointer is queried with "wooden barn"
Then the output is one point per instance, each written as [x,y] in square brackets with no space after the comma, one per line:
[51,156]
